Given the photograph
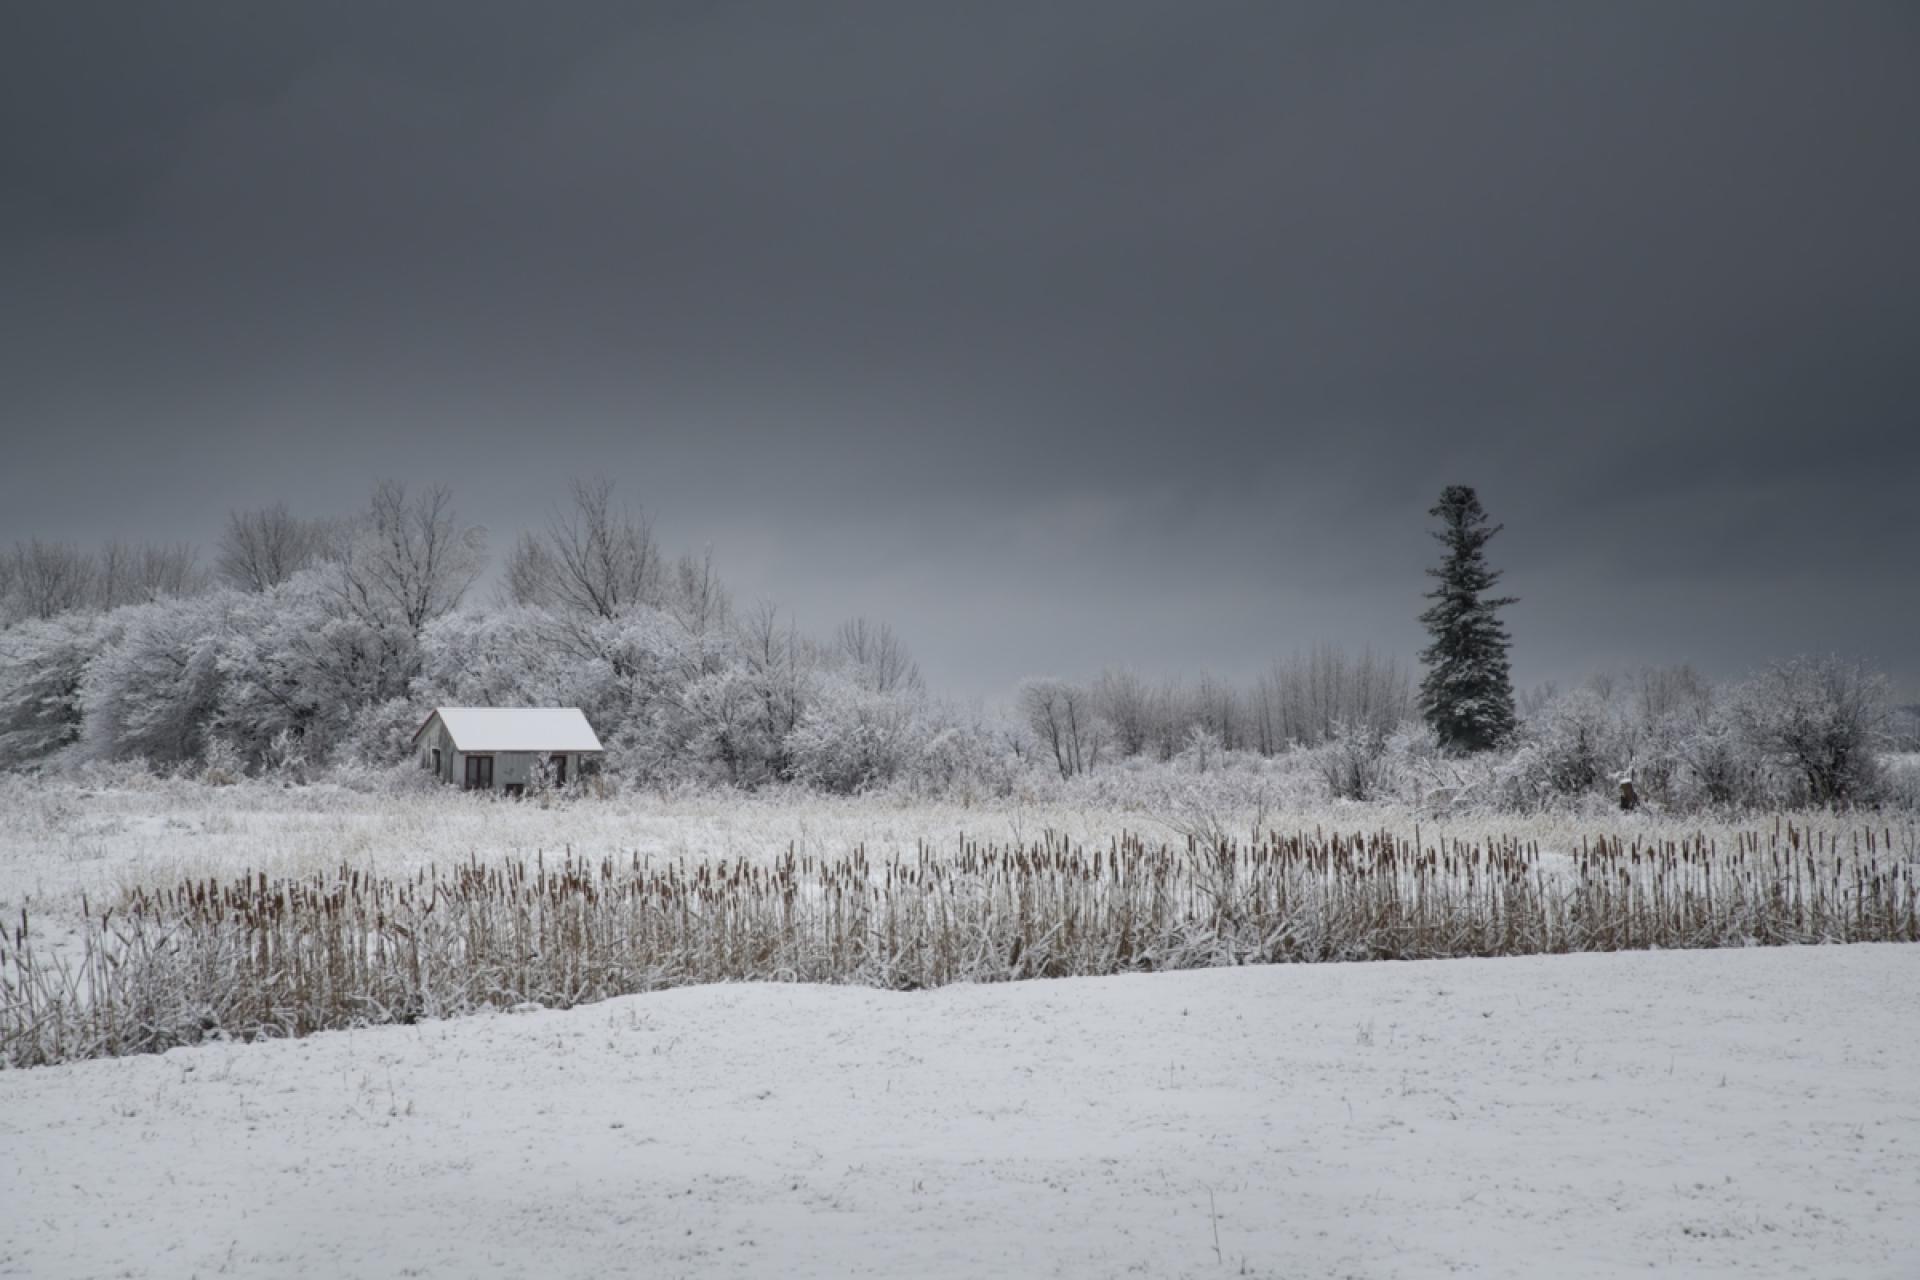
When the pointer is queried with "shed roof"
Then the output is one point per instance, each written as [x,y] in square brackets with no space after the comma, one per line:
[516,728]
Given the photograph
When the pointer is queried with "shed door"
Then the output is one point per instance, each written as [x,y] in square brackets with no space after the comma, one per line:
[479,773]
[560,771]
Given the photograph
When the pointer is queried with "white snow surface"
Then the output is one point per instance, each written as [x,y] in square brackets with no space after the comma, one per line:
[1751,1113]
[517,728]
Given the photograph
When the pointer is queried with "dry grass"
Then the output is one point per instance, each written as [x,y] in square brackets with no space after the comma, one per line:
[256,956]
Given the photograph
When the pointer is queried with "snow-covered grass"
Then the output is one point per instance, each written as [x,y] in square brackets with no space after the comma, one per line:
[1740,1112]
[64,835]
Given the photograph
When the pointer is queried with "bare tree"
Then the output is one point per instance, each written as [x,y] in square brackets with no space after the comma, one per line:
[262,548]
[409,561]
[1216,710]
[697,597]
[171,570]
[1304,699]
[113,575]
[1903,732]
[51,578]
[1533,701]
[880,660]
[1172,714]
[1063,717]
[1127,704]
[142,574]
[596,561]
[1659,692]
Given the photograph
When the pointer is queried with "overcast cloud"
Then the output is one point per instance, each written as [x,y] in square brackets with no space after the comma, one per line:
[1058,335]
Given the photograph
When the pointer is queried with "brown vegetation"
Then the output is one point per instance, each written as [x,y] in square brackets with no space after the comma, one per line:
[254,956]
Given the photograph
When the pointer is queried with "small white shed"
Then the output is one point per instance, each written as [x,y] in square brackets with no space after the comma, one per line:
[506,748]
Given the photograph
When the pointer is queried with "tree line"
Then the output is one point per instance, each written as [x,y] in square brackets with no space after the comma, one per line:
[319,643]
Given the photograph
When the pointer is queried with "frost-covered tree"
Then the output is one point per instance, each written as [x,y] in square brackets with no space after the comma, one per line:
[405,562]
[502,658]
[779,665]
[724,731]
[154,687]
[297,662]
[1467,695]
[41,666]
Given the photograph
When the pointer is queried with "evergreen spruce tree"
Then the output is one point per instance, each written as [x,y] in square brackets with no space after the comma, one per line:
[1467,694]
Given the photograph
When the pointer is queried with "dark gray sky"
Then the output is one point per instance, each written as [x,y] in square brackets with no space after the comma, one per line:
[1057,334]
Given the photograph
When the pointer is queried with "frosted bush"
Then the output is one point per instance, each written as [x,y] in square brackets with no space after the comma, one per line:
[379,736]
[851,738]
[1356,762]
[1821,722]
[1575,746]
[222,765]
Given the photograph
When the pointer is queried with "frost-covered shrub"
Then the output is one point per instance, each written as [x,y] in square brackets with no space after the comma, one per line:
[1820,721]
[728,733]
[222,765]
[133,773]
[1717,767]
[1356,762]
[961,755]
[1200,747]
[1233,796]
[379,736]
[1575,745]
[1900,781]
[851,738]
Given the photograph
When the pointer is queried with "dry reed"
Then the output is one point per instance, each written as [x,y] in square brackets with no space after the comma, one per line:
[254,957]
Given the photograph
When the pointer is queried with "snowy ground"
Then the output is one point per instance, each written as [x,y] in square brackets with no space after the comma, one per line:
[1708,1113]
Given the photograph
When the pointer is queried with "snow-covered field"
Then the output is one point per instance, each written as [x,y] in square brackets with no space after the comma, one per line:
[1750,1112]
[59,838]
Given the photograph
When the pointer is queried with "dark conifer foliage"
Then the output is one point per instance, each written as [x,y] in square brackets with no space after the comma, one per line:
[1467,694]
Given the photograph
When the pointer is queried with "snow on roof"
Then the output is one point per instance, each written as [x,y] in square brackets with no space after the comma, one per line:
[517,728]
